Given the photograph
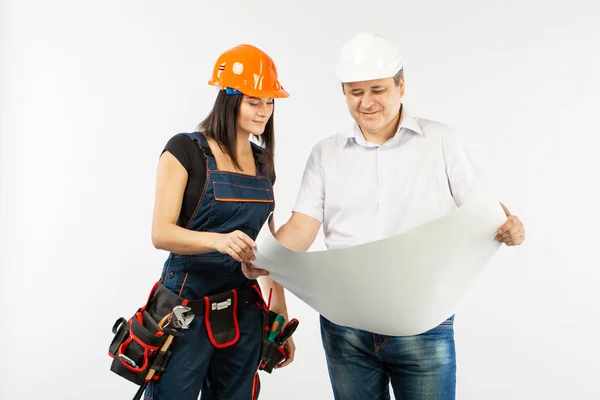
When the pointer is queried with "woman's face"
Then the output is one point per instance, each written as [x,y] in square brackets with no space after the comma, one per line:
[253,115]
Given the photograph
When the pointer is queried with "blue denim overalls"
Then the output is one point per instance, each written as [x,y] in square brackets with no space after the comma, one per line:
[229,202]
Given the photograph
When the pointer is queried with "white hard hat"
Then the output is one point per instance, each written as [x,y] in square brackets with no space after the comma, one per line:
[368,56]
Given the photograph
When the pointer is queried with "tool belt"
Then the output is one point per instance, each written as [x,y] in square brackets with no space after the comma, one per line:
[272,353]
[135,348]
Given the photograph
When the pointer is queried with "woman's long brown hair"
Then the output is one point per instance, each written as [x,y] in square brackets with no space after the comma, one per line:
[221,126]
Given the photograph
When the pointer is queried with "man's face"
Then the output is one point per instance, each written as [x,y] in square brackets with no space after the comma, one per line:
[375,104]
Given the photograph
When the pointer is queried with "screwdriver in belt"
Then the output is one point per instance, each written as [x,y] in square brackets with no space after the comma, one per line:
[276,327]
[287,332]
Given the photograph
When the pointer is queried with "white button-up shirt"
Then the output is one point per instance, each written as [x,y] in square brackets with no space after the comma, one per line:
[363,192]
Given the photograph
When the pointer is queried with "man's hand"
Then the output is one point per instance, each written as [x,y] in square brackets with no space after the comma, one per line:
[290,350]
[253,273]
[512,233]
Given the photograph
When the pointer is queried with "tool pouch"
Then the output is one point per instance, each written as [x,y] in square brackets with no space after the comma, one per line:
[135,348]
[220,316]
[271,353]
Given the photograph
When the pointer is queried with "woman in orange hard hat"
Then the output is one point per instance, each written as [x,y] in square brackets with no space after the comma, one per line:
[214,192]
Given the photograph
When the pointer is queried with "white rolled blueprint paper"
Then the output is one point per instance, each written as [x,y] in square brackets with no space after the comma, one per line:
[399,286]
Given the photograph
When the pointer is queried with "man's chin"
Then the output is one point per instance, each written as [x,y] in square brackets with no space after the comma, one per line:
[370,126]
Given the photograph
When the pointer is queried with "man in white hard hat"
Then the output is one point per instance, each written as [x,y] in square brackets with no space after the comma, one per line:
[388,173]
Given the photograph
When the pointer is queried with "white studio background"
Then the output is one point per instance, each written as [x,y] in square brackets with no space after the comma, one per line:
[92,91]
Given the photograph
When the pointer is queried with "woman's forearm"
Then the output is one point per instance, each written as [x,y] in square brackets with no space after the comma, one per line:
[179,240]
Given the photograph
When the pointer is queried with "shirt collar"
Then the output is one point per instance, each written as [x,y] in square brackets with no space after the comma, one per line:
[408,122]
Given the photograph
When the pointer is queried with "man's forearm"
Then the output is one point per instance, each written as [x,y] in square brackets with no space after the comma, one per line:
[297,236]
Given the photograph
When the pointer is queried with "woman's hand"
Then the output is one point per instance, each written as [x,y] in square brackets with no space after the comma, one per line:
[236,244]
[290,351]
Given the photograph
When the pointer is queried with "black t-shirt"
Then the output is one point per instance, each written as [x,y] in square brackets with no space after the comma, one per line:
[185,150]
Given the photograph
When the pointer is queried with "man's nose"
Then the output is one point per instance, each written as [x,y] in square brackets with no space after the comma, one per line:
[367,101]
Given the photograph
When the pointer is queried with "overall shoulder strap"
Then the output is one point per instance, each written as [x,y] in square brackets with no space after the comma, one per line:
[202,145]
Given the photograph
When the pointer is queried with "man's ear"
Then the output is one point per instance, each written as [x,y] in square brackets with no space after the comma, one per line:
[402,87]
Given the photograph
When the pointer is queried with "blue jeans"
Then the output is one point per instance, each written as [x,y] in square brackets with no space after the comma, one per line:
[362,364]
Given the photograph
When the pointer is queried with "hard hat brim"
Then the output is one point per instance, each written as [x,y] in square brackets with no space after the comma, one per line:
[260,94]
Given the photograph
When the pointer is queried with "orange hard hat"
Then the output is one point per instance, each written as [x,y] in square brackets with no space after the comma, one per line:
[249,70]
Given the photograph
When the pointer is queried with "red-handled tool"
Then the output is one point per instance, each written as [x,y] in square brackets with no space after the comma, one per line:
[287,331]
